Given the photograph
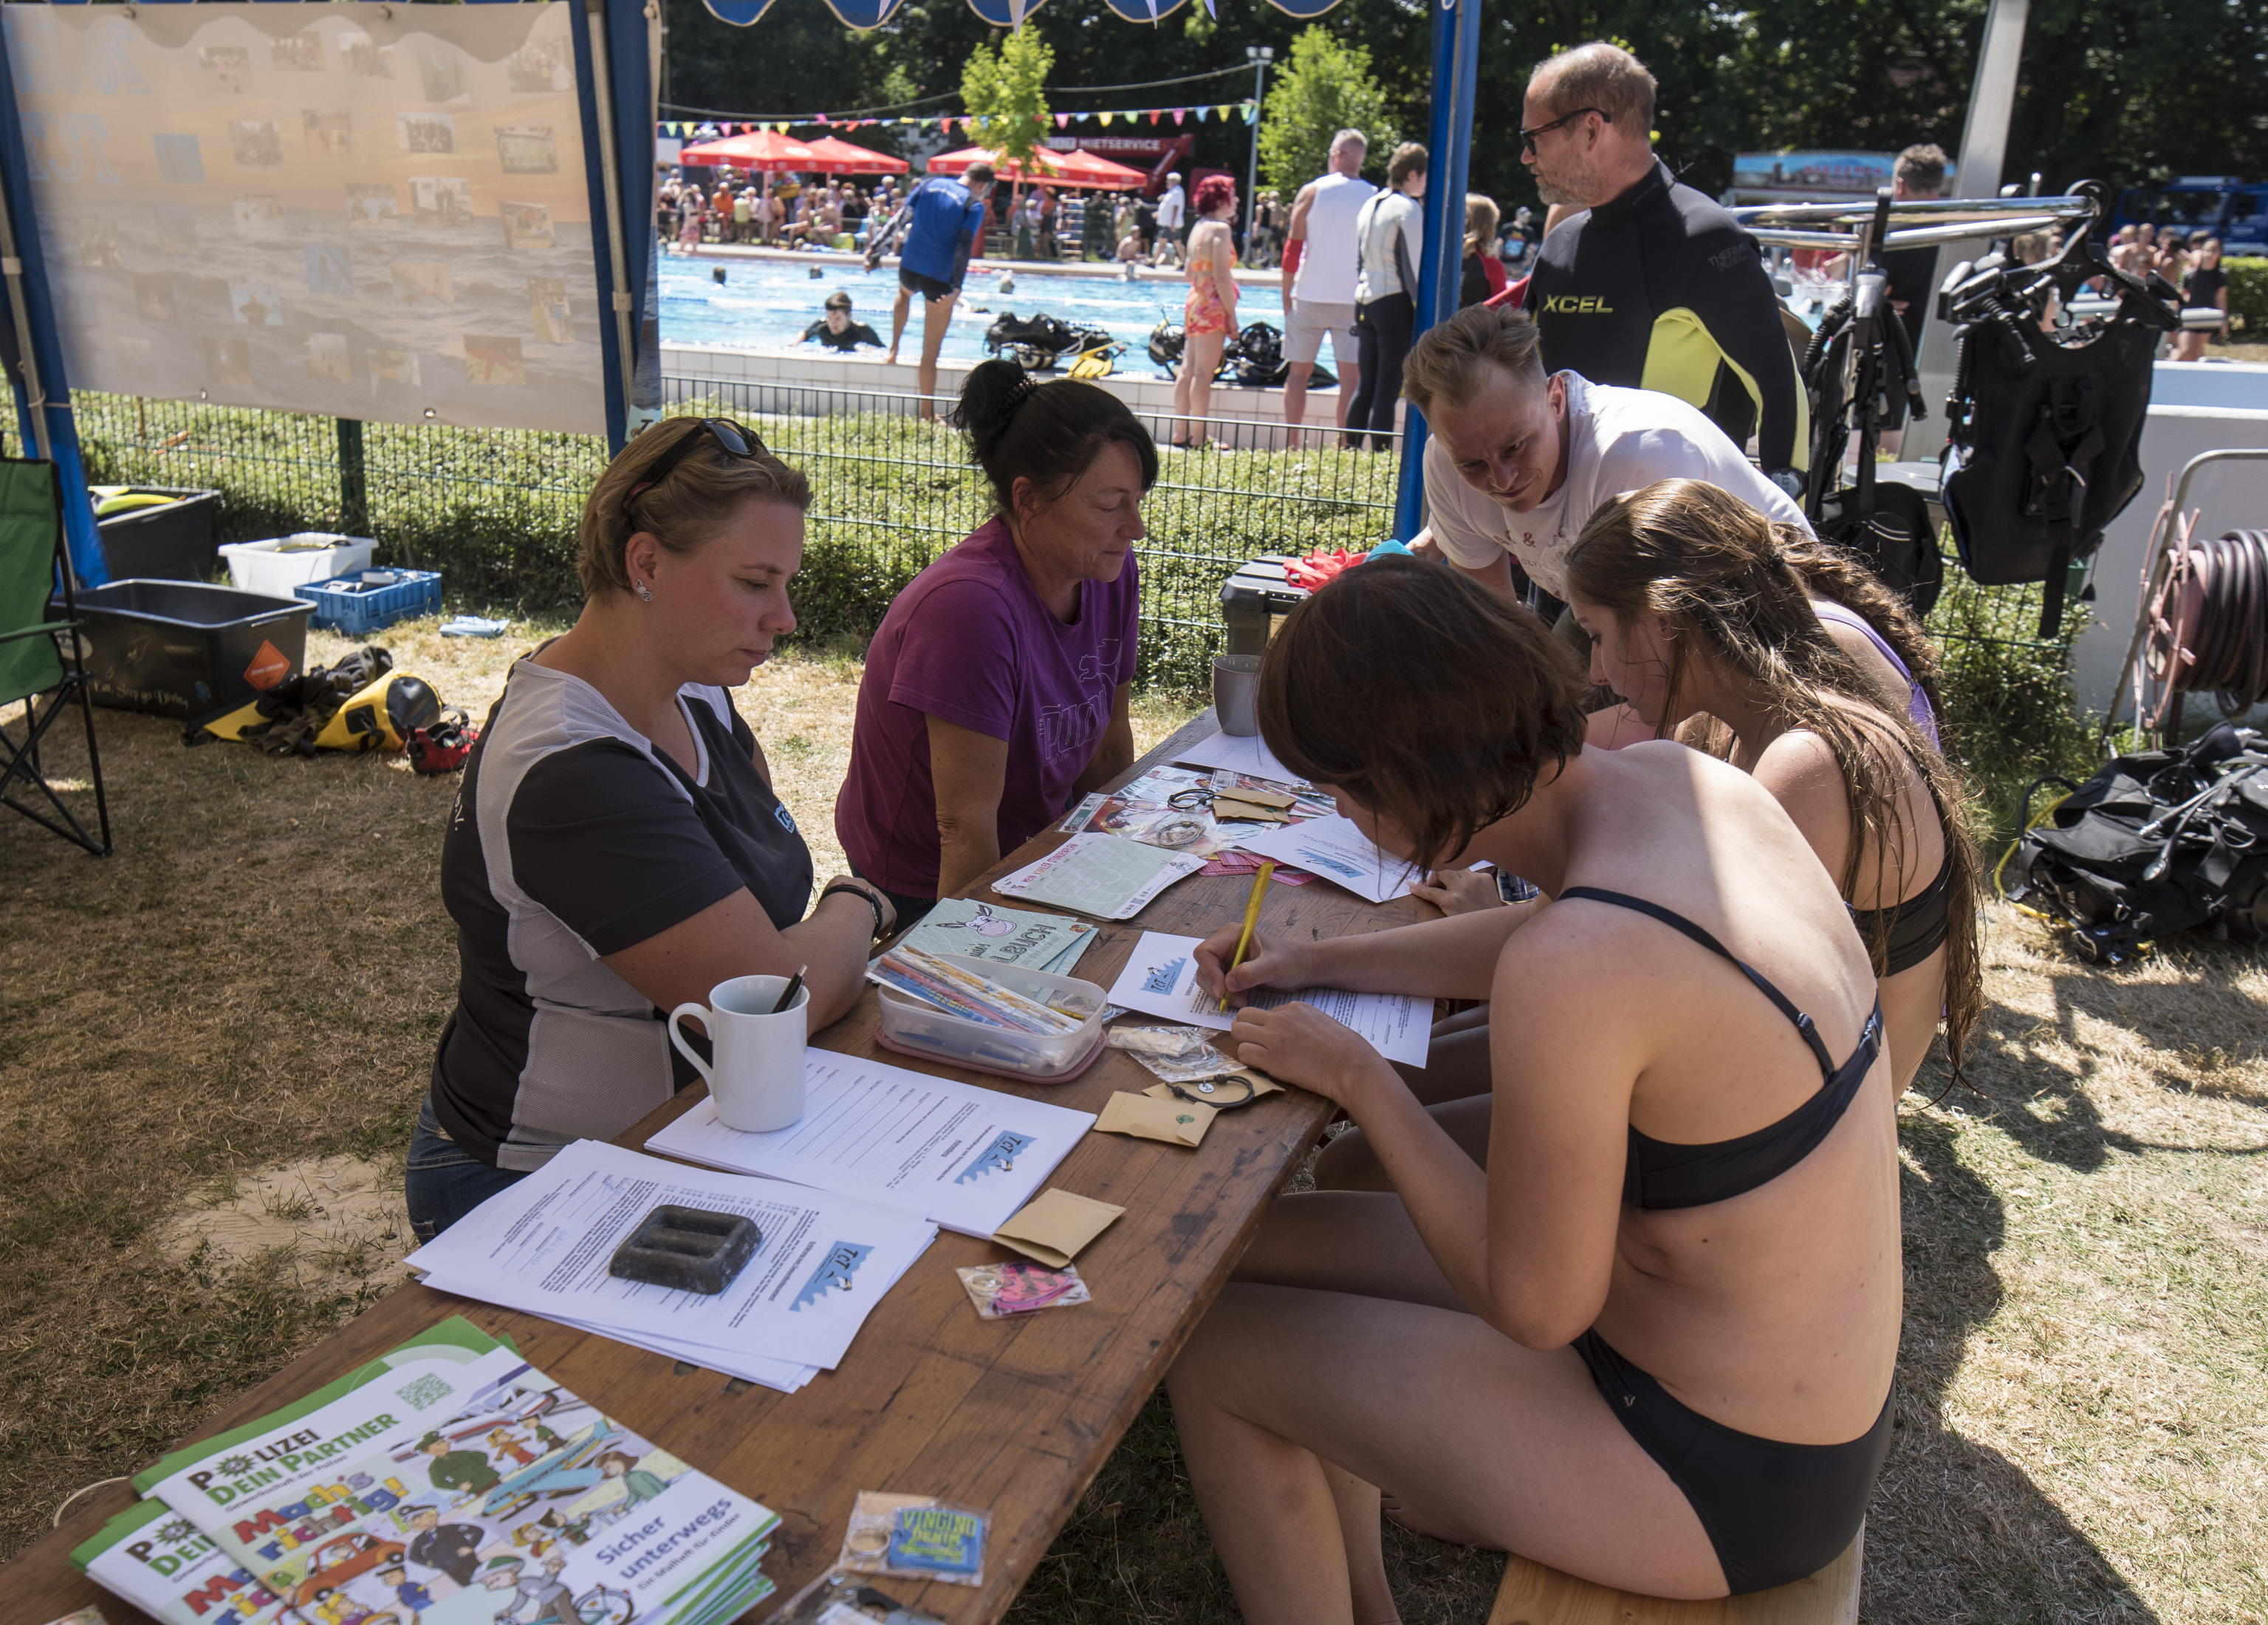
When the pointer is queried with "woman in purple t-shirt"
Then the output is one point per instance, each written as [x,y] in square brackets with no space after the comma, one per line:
[996,688]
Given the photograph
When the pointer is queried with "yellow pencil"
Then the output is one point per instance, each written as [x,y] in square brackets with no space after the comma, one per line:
[1251,919]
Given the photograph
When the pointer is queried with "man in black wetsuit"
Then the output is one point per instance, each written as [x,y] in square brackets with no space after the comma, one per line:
[1653,286]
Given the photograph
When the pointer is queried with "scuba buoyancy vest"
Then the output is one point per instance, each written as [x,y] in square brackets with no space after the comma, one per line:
[2156,843]
[2045,431]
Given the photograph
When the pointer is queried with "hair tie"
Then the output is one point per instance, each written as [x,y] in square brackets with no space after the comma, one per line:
[1024,388]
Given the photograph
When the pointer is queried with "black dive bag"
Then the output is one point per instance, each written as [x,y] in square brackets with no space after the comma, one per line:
[2156,843]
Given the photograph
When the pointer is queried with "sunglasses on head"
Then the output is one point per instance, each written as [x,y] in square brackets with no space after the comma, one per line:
[736,440]
[1528,137]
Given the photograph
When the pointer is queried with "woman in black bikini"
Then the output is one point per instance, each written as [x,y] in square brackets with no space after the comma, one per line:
[1651,1341]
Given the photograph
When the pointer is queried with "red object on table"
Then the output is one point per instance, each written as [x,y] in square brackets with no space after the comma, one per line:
[1318,568]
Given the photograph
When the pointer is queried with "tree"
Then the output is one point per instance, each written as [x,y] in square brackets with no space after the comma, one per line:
[1326,87]
[1006,93]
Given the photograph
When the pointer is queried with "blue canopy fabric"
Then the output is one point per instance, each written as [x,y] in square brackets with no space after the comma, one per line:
[860,14]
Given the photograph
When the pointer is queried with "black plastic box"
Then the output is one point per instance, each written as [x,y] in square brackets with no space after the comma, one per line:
[1253,598]
[183,648]
[178,543]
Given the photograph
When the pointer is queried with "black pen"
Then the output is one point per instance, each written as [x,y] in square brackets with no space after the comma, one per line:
[794,986]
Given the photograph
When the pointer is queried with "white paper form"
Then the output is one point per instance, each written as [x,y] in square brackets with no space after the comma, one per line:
[543,1245]
[1104,876]
[964,1158]
[1160,978]
[1243,754]
[1334,848]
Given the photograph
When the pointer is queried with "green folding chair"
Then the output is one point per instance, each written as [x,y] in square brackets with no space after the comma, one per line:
[31,665]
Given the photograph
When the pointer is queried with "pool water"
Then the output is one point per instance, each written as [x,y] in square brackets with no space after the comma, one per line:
[767,304]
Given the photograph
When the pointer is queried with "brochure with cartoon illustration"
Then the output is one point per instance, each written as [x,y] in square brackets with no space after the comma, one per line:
[1003,935]
[454,1339]
[174,1572]
[232,1491]
[510,1500]
[957,1155]
[544,1245]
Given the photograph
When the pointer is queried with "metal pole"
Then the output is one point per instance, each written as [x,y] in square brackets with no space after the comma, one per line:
[354,481]
[602,91]
[35,398]
[1262,55]
[1456,52]
[1984,150]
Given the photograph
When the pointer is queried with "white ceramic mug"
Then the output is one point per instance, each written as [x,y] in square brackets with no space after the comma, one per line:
[757,1078]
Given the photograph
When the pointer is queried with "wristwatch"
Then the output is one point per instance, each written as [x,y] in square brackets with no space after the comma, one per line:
[863,895]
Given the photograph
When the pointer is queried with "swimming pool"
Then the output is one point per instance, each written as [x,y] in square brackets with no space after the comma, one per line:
[766,304]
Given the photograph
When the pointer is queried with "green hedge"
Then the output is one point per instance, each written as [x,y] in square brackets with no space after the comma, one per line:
[2247,297]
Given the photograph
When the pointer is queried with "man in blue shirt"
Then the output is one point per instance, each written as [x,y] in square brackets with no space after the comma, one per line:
[945,225]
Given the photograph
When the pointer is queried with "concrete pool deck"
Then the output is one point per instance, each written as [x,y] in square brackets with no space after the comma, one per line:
[1252,418]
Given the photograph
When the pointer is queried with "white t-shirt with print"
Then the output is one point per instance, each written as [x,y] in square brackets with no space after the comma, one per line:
[1618,440]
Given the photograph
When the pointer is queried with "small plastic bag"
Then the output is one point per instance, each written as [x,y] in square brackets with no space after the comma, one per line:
[839,1599]
[915,1538]
[1000,1290]
[1176,1054]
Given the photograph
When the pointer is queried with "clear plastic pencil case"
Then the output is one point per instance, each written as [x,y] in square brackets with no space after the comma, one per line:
[913,1024]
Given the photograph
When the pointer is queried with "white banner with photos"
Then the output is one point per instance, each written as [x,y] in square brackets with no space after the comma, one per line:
[363,210]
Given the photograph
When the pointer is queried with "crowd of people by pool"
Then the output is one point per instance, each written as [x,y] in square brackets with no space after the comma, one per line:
[1613,1282]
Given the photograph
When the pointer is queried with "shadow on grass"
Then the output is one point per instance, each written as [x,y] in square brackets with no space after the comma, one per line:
[2042,1101]
[1957,1531]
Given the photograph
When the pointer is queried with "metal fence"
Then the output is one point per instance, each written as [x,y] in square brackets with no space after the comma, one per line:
[496,511]
[896,490]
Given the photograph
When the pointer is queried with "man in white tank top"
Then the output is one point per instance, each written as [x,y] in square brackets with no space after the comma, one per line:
[1320,265]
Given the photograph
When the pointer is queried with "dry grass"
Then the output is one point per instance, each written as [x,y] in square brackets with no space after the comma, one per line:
[256,979]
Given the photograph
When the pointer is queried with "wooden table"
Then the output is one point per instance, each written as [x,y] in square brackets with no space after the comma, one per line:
[1014,1415]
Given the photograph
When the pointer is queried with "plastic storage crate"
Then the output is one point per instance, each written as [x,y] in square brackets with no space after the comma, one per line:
[1254,599]
[185,648]
[282,565]
[346,605]
[175,543]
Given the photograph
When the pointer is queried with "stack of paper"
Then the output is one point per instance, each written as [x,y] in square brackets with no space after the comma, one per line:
[1017,937]
[448,1483]
[543,1245]
[1160,978]
[930,1148]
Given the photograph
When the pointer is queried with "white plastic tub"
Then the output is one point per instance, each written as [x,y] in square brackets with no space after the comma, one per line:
[281,563]
[916,1025]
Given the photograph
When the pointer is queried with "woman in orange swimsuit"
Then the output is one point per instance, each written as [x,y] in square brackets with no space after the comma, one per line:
[1209,315]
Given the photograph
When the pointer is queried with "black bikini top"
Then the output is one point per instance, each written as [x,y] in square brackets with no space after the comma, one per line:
[1917,926]
[1660,1174]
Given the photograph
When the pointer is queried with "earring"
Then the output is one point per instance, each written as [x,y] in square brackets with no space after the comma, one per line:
[644,593]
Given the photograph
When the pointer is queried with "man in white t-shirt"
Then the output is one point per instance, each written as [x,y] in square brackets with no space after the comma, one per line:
[1173,220]
[1516,461]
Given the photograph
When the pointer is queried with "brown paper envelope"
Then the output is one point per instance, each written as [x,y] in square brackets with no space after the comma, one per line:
[1176,1122]
[1259,798]
[1247,812]
[1262,1084]
[1055,1225]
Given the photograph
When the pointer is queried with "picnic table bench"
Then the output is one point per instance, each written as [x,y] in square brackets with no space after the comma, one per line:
[1016,1416]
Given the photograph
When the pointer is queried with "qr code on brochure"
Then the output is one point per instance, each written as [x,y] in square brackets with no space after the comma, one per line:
[423,1392]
